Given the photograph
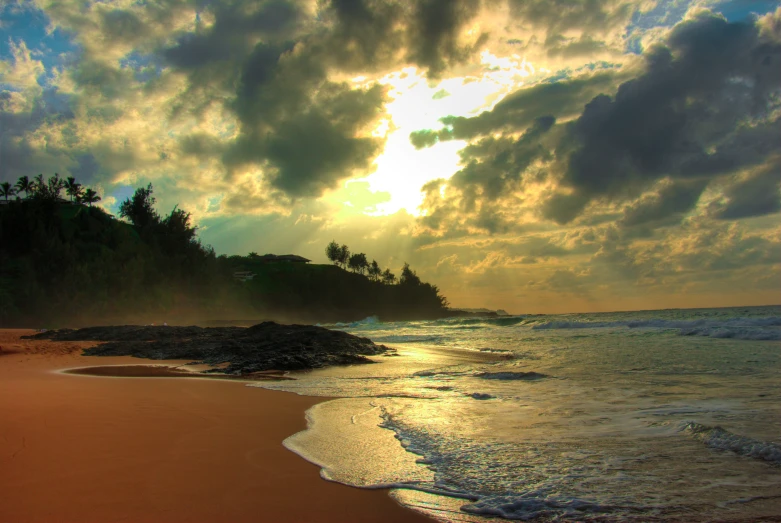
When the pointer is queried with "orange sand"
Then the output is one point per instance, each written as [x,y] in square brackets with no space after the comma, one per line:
[94,449]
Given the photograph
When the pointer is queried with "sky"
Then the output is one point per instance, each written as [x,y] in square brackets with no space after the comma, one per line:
[537,156]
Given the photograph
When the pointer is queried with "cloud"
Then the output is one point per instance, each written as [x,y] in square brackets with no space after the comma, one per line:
[559,16]
[709,88]
[755,195]
[239,87]
[606,170]
[520,109]
[672,199]
[702,105]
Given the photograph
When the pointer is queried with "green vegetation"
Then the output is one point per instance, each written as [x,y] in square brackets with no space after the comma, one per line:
[65,262]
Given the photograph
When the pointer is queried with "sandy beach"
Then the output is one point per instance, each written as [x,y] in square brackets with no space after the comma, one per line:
[97,449]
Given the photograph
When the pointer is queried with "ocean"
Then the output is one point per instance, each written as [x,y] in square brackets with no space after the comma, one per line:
[669,415]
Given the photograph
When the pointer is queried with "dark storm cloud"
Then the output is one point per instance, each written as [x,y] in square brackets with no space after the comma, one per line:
[757,195]
[673,199]
[371,35]
[230,37]
[703,106]
[278,66]
[503,161]
[304,130]
[434,29]
[519,110]
[701,92]
[365,34]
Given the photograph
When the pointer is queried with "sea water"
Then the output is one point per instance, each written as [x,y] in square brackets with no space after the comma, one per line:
[628,416]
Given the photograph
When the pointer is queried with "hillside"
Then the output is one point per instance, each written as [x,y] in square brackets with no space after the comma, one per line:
[327,293]
[64,264]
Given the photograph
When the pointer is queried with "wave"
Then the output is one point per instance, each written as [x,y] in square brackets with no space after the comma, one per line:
[510,376]
[501,321]
[537,505]
[408,338]
[366,322]
[736,334]
[718,438]
[454,479]
[495,351]
[737,328]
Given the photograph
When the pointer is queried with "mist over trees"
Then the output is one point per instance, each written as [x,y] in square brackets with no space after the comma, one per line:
[72,262]
[65,262]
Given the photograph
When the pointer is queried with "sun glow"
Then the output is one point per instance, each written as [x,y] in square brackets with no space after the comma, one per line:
[401,170]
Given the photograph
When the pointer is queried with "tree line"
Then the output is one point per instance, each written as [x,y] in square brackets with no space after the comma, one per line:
[40,189]
[358,262]
[77,264]
[71,265]
[341,257]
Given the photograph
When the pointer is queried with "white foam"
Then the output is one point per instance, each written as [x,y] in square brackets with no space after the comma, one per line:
[743,328]
[535,504]
[718,438]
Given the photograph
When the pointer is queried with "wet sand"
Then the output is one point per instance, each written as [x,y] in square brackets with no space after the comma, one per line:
[97,449]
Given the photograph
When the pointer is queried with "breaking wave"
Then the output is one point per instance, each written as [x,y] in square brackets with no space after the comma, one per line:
[500,321]
[534,505]
[736,328]
[718,438]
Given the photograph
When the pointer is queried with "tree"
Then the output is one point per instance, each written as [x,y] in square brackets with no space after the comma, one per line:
[178,225]
[408,276]
[344,255]
[39,186]
[72,188]
[333,252]
[388,278]
[90,197]
[374,271]
[358,263]
[139,209]
[55,186]
[24,184]
[6,190]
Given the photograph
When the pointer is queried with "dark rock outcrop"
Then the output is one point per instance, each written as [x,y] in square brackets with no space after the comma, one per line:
[266,346]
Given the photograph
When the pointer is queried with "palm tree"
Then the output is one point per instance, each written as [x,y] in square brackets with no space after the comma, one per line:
[72,188]
[39,186]
[6,190]
[24,184]
[90,197]
[55,186]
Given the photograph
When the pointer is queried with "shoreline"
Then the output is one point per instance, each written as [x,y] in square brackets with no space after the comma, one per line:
[205,450]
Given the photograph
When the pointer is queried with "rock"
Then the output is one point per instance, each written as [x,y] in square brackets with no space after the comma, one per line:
[266,346]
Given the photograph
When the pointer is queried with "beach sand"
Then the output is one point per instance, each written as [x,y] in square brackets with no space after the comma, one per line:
[97,449]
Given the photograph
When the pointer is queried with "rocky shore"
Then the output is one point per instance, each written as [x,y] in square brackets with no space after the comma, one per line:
[229,350]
